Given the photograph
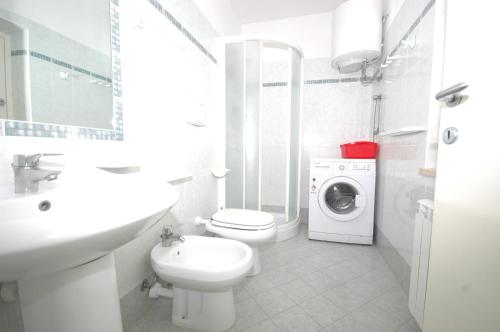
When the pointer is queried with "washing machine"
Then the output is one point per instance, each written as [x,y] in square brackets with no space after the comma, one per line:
[342,200]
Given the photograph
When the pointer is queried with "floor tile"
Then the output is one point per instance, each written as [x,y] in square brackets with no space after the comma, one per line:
[395,301]
[295,320]
[322,310]
[257,284]
[281,275]
[298,290]
[374,288]
[281,257]
[378,319]
[248,313]
[345,271]
[375,274]
[156,319]
[409,326]
[345,298]
[265,326]
[322,260]
[300,268]
[348,324]
[320,281]
[347,249]
[274,301]
[240,294]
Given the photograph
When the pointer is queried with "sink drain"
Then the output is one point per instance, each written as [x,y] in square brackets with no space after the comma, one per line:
[44,206]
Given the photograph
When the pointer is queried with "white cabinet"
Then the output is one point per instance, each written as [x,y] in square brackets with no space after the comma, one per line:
[420,259]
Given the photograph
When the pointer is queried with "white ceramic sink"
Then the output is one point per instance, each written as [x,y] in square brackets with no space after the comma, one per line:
[92,212]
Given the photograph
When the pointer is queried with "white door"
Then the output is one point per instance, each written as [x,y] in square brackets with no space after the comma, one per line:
[463,291]
[3,78]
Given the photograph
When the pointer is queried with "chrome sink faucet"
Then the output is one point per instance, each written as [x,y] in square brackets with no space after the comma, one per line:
[27,174]
[168,237]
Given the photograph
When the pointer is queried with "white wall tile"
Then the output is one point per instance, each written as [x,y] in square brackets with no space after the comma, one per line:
[333,114]
[406,99]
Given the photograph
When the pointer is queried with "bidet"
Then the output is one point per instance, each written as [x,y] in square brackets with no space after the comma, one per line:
[203,271]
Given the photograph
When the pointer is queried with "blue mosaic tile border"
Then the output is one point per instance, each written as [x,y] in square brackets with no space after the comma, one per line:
[272,84]
[182,29]
[35,129]
[333,80]
[321,81]
[116,69]
[59,63]
[18,53]
[412,27]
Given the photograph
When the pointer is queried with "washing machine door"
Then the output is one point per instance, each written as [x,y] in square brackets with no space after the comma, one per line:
[342,198]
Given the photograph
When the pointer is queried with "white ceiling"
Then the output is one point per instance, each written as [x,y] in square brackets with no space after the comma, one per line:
[250,11]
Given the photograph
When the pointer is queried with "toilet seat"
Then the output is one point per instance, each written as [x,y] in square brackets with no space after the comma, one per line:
[249,220]
[249,226]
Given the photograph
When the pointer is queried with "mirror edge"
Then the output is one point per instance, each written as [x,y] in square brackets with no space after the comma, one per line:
[42,130]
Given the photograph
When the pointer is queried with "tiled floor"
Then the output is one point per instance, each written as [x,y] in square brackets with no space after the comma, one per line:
[310,286]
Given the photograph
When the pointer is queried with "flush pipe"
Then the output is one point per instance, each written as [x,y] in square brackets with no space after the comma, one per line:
[365,80]
[9,292]
[155,289]
[199,221]
[377,75]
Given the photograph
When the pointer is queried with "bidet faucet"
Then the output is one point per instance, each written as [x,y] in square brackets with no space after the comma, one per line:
[168,237]
[27,174]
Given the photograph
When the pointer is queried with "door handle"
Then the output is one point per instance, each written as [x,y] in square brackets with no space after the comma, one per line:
[452,96]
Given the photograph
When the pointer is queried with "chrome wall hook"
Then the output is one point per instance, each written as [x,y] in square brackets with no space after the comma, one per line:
[410,43]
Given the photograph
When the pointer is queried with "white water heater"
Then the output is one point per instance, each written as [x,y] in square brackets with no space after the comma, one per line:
[356,34]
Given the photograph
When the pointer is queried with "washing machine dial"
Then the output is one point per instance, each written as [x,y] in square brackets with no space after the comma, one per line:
[342,167]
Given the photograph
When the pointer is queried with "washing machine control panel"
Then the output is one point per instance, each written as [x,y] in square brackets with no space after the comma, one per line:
[361,167]
[350,168]
[341,167]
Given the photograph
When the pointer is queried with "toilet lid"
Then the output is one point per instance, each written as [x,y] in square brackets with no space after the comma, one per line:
[243,219]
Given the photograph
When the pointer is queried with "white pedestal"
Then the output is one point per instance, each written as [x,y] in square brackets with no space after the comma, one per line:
[255,262]
[81,299]
[203,311]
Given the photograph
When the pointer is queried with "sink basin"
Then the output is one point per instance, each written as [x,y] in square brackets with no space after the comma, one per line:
[84,215]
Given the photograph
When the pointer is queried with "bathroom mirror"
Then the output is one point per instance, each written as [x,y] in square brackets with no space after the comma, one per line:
[56,76]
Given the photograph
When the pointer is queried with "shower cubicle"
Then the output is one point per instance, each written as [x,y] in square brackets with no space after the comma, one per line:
[263,104]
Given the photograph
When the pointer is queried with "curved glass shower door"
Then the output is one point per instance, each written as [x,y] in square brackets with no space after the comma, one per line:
[295,133]
[263,107]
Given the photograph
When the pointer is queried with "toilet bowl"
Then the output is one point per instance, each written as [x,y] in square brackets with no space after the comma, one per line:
[254,228]
[203,271]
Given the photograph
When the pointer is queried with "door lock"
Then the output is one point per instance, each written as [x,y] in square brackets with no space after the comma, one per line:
[450,135]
